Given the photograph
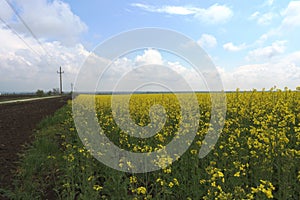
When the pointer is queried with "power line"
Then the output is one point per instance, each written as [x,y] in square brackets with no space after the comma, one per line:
[24,23]
[34,36]
[17,34]
[30,31]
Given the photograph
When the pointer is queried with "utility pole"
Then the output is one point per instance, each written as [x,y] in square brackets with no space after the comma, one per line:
[60,78]
[72,88]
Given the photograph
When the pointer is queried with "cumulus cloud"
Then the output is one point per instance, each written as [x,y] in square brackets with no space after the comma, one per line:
[150,56]
[212,15]
[282,73]
[207,41]
[268,52]
[125,74]
[23,69]
[231,47]
[28,65]
[150,68]
[48,20]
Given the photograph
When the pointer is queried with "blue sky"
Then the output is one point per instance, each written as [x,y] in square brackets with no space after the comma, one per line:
[254,44]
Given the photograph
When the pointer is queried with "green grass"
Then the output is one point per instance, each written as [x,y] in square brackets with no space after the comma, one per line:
[38,170]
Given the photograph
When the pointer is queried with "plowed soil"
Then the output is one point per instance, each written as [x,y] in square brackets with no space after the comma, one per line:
[17,124]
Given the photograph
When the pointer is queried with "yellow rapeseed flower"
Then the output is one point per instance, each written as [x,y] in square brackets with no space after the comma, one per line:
[141,190]
[133,179]
[175,181]
[167,170]
[194,151]
[237,174]
[90,178]
[97,187]
[71,157]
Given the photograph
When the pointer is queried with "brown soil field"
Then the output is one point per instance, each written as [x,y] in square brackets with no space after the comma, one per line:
[17,124]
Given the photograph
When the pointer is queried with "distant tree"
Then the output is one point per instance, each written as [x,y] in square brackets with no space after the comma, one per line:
[286,88]
[298,88]
[55,91]
[40,93]
[49,93]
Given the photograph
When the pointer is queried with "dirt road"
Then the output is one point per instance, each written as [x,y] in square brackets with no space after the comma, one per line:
[17,122]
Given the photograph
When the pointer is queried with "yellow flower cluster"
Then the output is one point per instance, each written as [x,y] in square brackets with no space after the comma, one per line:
[259,142]
[265,187]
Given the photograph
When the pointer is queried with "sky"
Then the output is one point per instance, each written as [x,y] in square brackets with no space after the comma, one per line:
[253,44]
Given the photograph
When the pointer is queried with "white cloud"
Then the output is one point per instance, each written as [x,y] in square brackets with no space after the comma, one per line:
[49,20]
[231,47]
[150,56]
[207,41]
[23,69]
[263,19]
[266,18]
[291,15]
[283,72]
[268,52]
[212,15]
[254,15]
[28,65]
[176,10]
[290,20]
[150,67]
[215,14]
